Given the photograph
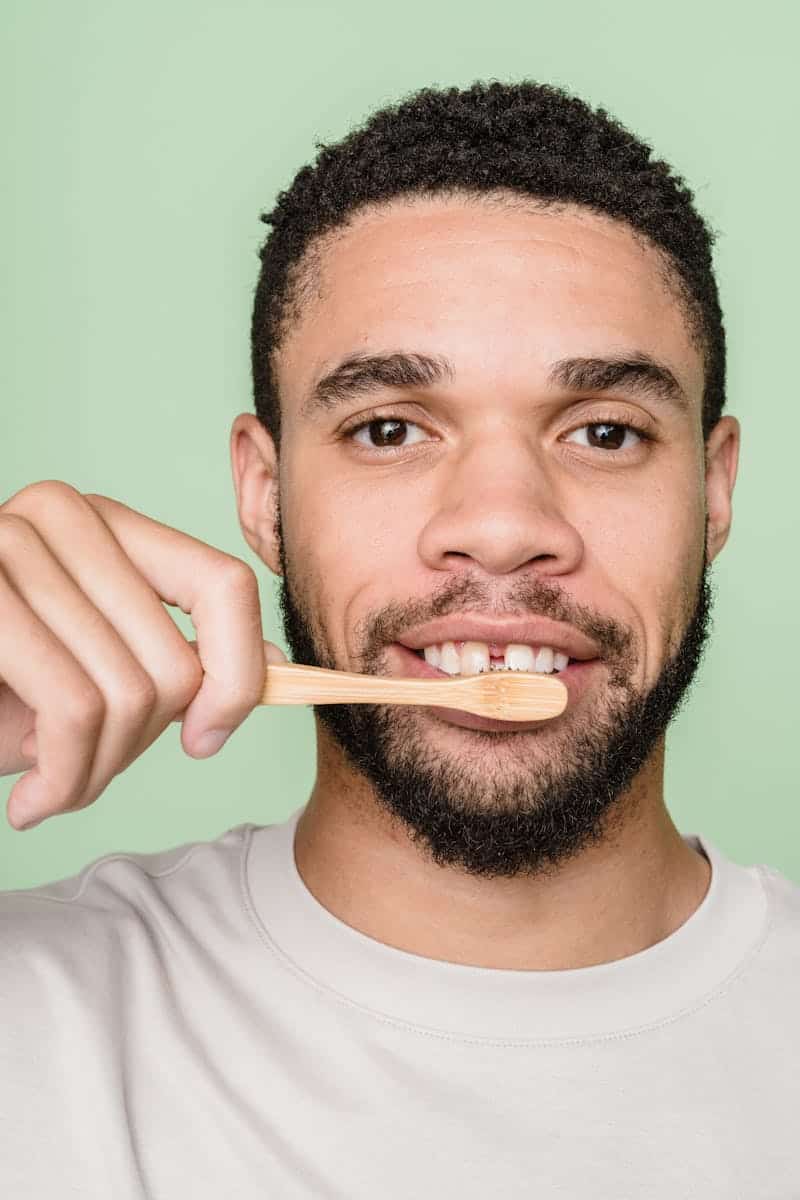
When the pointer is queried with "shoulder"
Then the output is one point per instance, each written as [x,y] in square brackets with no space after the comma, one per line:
[77,928]
[783,899]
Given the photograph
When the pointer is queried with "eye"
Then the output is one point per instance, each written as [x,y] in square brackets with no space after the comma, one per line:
[610,435]
[383,433]
[391,433]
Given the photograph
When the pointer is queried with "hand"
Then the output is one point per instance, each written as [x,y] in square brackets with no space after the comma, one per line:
[92,667]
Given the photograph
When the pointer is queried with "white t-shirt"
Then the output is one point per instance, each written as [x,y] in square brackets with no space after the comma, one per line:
[194,1024]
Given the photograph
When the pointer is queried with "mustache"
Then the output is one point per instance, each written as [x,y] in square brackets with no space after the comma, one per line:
[530,597]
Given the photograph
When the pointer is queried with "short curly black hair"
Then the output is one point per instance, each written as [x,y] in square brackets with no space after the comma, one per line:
[529,138]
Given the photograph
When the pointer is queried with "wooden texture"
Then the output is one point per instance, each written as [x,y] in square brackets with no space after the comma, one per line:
[504,695]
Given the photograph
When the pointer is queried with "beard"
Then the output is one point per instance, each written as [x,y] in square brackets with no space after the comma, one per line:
[502,804]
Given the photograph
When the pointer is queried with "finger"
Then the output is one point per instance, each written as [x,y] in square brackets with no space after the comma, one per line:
[68,707]
[16,723]
[220,594]
[272,654]
[129,695]
[89,552]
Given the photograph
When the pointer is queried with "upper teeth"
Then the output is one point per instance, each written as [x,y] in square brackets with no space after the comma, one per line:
[473,657]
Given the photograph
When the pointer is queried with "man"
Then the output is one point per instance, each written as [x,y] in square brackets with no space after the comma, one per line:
[480,960]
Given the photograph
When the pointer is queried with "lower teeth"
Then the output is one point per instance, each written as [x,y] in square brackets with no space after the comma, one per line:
[498,666]
[501,667]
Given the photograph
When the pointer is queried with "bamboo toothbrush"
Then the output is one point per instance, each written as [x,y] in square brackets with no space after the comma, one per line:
[502,695]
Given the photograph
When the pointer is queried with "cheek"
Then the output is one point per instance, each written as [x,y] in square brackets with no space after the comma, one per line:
[652,528]
[650,544]
[354,550]
[359,523]
[648,555]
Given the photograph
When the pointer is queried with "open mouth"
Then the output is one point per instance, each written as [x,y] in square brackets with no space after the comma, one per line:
[576,676]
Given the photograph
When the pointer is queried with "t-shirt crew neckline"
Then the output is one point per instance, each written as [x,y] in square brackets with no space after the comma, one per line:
[653,986]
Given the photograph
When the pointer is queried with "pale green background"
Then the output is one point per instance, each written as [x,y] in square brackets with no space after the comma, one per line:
[143,140]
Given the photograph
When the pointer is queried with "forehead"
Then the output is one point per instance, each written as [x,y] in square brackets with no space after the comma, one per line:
[501,288]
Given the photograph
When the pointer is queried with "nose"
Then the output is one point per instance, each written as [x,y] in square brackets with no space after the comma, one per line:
[498,505]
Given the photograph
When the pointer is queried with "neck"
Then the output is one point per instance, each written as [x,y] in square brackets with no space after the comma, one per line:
[614,899]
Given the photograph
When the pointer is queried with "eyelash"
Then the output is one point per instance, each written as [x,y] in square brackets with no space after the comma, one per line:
[389,451]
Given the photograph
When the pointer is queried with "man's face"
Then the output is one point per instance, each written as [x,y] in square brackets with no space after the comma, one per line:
[497,492]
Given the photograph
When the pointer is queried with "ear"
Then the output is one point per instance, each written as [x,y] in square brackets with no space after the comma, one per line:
[722,461]
[254,463]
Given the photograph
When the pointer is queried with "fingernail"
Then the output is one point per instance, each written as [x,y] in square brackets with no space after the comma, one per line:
[30,823]
[213,740]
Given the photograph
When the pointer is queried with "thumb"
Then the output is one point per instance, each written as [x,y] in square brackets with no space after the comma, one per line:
[272,654]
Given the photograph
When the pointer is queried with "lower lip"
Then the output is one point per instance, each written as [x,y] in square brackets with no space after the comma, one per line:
[574,677]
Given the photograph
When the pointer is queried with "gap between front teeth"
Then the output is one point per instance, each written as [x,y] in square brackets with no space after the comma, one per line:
[473,659]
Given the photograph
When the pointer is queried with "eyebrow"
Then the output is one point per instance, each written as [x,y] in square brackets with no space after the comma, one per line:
[361,374]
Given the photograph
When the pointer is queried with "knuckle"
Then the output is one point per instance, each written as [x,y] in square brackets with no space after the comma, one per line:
[45,493]
[100,504]
[16,533]
[84,708]
[237,577]
[236,701]
[136,698]
[184,683]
